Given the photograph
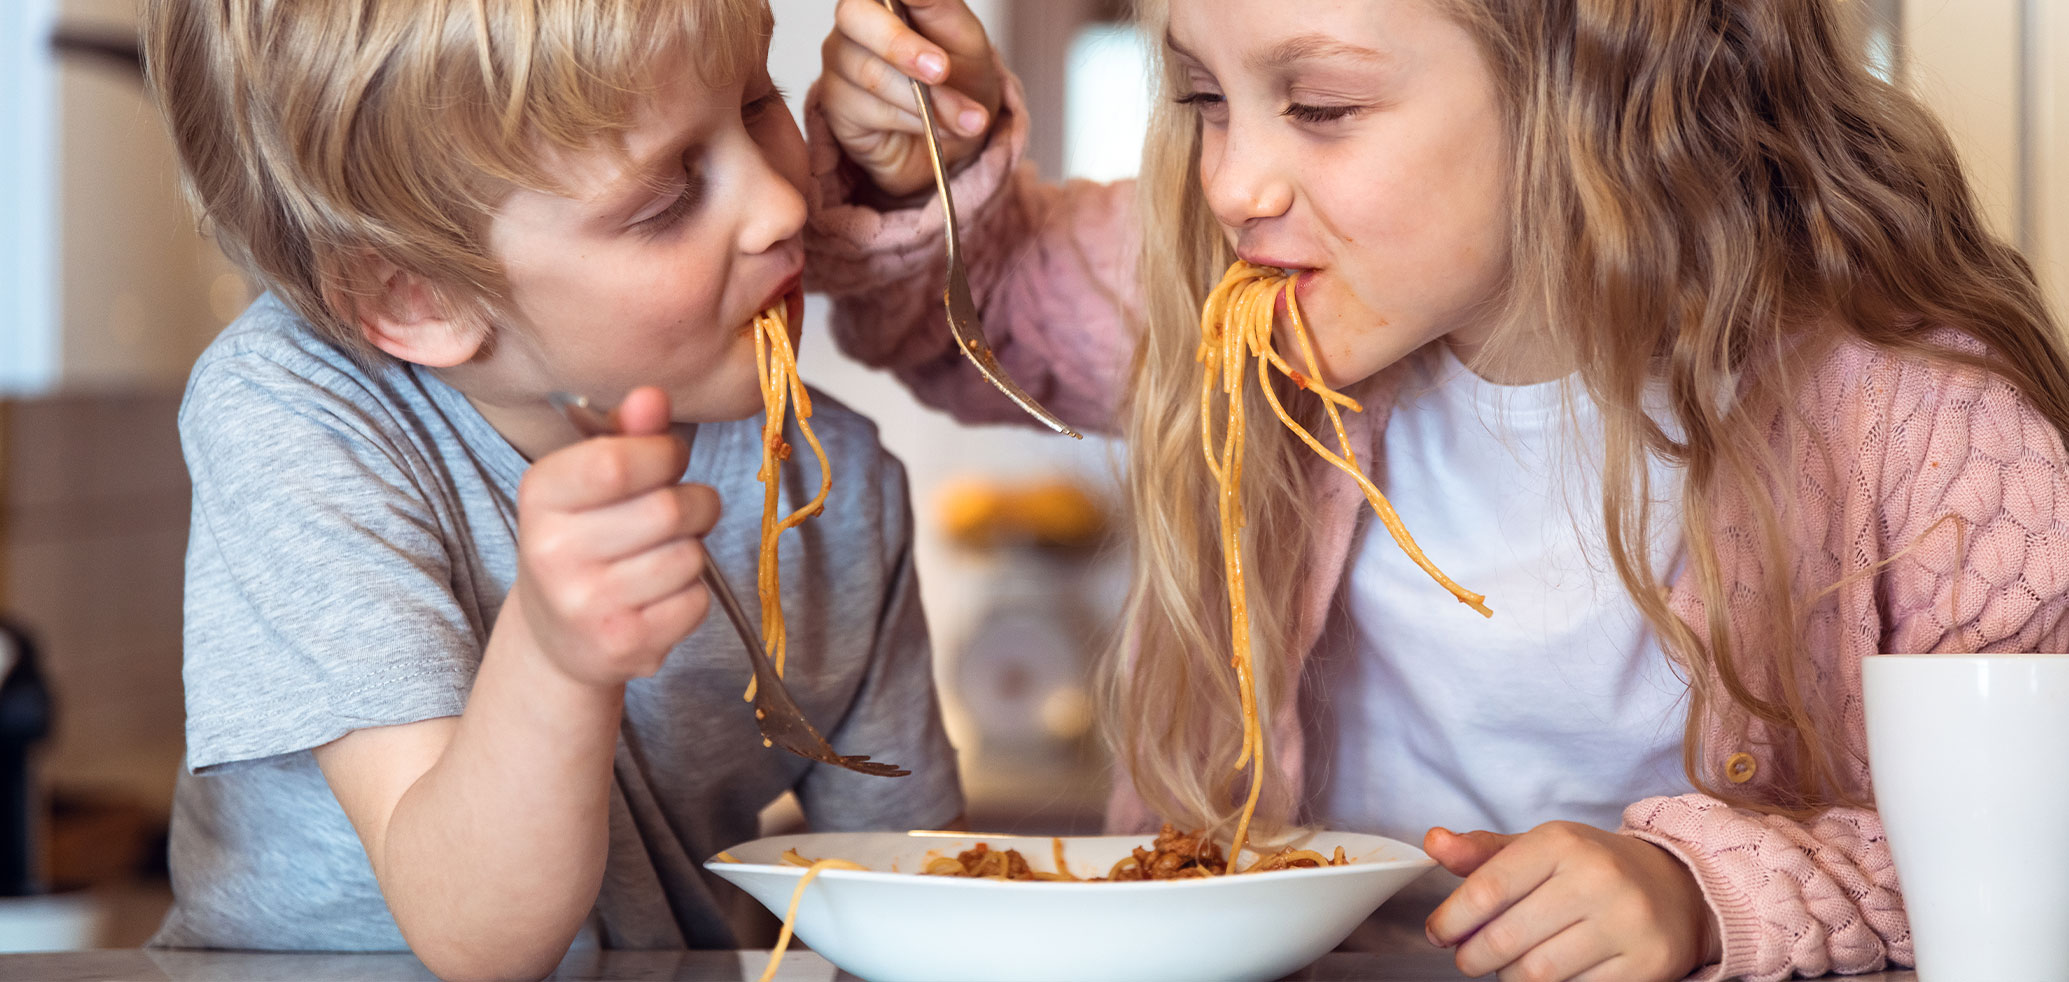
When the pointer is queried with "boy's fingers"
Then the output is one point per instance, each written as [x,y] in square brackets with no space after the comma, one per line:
[614,532]
[876,29]
[673,617]
[665,569]
[603,471]
[643,412]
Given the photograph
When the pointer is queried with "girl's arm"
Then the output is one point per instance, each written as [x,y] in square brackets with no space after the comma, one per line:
[1052,267]
[1967,487]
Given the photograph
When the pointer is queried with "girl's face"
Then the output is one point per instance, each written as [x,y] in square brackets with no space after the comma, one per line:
[651,266]
[1360,144]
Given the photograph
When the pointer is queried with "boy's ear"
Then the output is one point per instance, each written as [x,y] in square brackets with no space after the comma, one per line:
[405,317]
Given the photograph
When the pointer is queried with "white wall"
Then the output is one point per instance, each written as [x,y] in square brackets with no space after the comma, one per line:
[28,315]
[1993,71]
[104,282]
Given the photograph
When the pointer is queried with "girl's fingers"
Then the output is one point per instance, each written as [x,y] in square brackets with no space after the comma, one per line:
[850,110]
[1613,969]
[863,71]
[1513,937]
[1570,955]
[880,32]
[871,77]
[951,24]
[1461,854]
[1496,886]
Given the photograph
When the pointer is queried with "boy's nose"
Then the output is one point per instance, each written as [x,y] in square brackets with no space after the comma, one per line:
[775,211]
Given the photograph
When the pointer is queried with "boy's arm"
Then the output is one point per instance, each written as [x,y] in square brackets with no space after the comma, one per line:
[1052,269]
[488,832]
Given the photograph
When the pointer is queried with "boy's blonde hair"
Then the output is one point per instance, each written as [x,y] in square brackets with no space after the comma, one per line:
[317,136]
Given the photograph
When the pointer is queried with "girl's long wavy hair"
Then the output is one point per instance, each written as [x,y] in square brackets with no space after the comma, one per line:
[1705,192]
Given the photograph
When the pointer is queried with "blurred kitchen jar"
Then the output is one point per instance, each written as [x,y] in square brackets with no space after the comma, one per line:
[1970,758]
[1024,672]
[30,920]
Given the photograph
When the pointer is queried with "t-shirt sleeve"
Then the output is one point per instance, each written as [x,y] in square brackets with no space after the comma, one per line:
[895,716]
[319,594]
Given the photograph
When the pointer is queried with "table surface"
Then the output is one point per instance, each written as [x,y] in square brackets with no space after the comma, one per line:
[158,965]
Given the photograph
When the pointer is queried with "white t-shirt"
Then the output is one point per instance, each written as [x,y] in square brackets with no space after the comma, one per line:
[1562,706]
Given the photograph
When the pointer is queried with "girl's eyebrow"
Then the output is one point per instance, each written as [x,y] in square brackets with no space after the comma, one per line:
[1310,47]
[1301,47]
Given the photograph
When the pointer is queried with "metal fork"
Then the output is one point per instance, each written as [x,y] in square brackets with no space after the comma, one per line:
[775,712]
[963,324]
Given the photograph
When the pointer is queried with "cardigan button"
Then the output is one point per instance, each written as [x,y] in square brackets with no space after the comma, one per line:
[1740,768]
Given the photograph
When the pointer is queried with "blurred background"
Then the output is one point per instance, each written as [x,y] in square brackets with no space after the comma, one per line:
[107,294]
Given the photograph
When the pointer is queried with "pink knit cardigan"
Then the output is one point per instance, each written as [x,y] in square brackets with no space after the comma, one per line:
[1910,442]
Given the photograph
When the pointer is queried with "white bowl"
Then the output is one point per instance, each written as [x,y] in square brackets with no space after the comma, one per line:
[885,926]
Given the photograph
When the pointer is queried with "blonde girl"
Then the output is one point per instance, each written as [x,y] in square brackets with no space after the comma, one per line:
[1808,409]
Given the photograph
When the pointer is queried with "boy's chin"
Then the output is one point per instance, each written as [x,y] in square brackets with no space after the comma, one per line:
[733,406]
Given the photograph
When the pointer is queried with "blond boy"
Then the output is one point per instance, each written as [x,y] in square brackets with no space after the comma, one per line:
[449,680]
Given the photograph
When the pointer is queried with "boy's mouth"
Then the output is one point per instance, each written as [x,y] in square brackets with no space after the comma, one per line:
[790,294]
[790,297]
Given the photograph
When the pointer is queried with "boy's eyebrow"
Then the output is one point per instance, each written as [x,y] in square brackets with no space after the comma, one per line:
[642,176]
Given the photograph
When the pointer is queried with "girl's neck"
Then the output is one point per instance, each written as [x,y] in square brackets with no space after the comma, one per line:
[1521,356]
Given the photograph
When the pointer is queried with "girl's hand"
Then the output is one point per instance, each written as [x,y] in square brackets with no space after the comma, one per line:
[868,100]
[1568,901]
[610,548]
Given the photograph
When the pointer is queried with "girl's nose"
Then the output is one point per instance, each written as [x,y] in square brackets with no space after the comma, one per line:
[1243,180]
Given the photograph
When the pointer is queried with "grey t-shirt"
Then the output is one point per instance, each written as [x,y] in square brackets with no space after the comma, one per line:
[354,535]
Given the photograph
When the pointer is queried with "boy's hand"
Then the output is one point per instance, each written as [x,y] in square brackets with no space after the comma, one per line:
[610,548]
[869,102]
[1569,901]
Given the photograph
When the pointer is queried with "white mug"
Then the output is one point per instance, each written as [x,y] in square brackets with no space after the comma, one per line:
[1970,757]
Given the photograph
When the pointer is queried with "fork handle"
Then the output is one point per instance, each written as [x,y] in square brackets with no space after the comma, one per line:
[923,99]
[716,583]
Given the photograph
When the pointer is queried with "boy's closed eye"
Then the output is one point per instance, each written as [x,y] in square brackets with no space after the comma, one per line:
[688,192]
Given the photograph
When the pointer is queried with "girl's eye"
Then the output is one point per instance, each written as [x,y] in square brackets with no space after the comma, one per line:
[684,203]
[1199,100]
[1320,114]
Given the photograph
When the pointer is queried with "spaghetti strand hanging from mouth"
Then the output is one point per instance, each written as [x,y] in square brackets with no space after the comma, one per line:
[1235,327]
[775,367]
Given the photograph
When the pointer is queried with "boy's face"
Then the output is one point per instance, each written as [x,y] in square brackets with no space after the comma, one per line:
[651,266]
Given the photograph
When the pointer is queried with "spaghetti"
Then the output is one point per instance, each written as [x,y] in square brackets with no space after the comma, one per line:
[812,870]
[1236,326]
[775,366]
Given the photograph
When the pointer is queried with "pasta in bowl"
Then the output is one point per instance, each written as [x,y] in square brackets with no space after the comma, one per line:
[886,921]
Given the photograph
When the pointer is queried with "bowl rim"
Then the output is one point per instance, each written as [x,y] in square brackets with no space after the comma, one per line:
[1419,859]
